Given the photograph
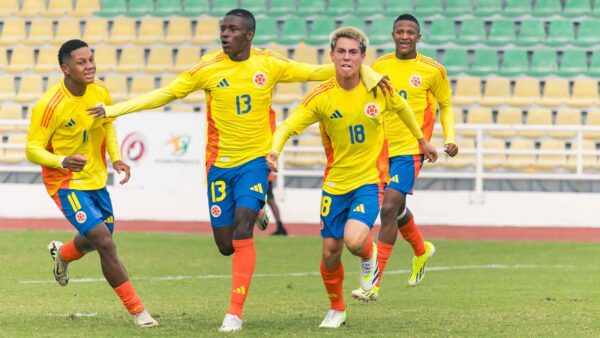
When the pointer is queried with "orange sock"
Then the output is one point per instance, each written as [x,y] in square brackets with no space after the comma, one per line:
[411,234]
[367,250]
[129,298]
[68,252]
[242,269]
[384,252]
[334,284]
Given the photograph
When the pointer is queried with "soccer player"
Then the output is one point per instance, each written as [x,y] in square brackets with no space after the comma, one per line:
[424,84]
[71,147]
[351,122]
[239,82]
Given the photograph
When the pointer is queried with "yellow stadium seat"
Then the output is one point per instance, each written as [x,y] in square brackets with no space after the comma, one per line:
[3,58]
[159,60]
[508,116]
[151,31]
[497,91]
[521,161]
[30,88]
[106,59]
[463,160]
[40,32]
[187,57]
[67,29]
[306,54]
[585,93]
[551,162]
[179,31]
[15,155]
[33,8]
[556,92]
[117,86]
[141,84]
[567,117]
[287,93]
[481,115]
[10,112]
[7,89]
[493,161]
[58,8]
[47,60]
[211,50]
[527,92]
[21,60]
[85,8]
[589,161]
[279,49]
[13,31]
[123,31]
[53,79]
[279,112]
[96,31]
[9,8]
[132,59]
[537,116]
[593,119]
[166,79]
[207,31]
[468,91]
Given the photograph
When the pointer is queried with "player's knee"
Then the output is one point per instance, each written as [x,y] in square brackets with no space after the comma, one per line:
[225,250]
[354,245]
[106,246]
[389,212]
[331,255]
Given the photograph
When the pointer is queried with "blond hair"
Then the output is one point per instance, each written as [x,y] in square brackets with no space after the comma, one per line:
[350,33]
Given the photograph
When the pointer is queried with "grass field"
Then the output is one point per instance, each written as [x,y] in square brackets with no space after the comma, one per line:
[473,288]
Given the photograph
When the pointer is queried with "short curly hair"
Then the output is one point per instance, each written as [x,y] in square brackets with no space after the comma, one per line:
[350,33]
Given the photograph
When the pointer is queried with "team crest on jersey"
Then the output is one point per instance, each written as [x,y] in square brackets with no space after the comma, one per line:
[215,211]
[81,217]
[259,79]
[372,110]
[415,81]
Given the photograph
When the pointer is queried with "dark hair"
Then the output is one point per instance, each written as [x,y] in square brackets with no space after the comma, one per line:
[244,14]
[65,50]
[408,17]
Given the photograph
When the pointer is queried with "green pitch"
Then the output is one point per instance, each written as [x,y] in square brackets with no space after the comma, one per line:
[472,288]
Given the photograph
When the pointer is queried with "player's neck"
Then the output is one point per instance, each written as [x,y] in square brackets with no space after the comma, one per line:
[409,56]
[348,83]
[241,56]
[76,89]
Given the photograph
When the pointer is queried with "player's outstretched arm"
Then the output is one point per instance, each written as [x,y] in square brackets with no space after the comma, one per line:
[154,99]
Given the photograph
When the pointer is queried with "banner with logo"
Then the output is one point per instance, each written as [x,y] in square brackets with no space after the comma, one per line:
[164,150]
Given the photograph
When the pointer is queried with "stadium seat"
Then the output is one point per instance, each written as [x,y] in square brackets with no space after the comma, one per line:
[321,28]
[367,8]
[46,60]
[339,8]
[429,52]
[132,59]
[592,119]
[58,8]
[380,33]
[556,92]
[67,29]
[481,115]
[456,61]
[210,50]
[9,8]
[487,7]
[3,58]
[468,91]
[15,155]
[207,31]
[10,112]
[465,160]
[22,59]
[594,69]
[359,23]
[187,57]
[219,8]
[141,84]
[573,63]
[257,7]
[567,117]
[576,8]
[485,62]
[520,161]
[496,92]
[526,92]
[40,32]
[30,88]
[535,117]
[309,8]
[472,31]
[514,8]
[585,93]
[194,8]
[112,8]
[425,8]
[457,8]
[159,60]
[287,93]
[267,30]
[502,33]
[32,8]
[543,63]
[53,79]
[179,30]
[96,31]
[507,116]
[514,62]
[13,31]
[588,33]
[280,8]
[106,59]
[560,33]
[123,31]
[294,31]
[166,79]
[139,8]
[441,31]
[494,161]
[85,8]
[8,88]
[588,161]
[167,8]
[306,54]
[531,32]
[552,162]
[117,86]
[546,8]
[151,31]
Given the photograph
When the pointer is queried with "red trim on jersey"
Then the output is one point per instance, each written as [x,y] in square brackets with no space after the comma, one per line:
[203,64]
[57,201]
[383,166]
[212,138]
[103,151]
[272,118]
[417,160]
[325,86]
[431,62]
[328,150]
[428,120]
[54,101]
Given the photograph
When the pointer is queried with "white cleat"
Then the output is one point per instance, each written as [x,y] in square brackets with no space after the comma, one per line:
[334,319]
[144,319]
[231,323]
[369,271]
[61,272]
[262,221]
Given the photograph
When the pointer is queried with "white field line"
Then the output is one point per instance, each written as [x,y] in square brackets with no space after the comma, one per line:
[314,273]
[75,314]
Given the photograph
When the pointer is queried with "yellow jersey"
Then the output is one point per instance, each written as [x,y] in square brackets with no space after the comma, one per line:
[60,126]
[352,131]
[424,84]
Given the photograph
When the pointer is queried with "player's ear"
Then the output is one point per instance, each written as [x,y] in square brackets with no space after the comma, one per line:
[65,69]
[250,35]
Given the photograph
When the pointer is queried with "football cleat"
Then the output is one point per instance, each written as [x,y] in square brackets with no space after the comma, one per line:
[144,319]
[262,222]
[334,319]
[231,323]
[418,266]
[369,271]
[61,272]
[366,296]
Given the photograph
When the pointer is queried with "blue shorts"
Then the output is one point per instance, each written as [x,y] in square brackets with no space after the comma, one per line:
[404,170]
[361,204]
[231,188]
[86,208]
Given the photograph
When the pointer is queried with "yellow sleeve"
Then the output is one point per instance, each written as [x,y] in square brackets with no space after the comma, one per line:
[443,94]
[300,119]
[402,108]
[112,142]
[38,138]
[369,76]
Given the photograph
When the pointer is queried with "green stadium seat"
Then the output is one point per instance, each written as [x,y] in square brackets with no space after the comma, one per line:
[358,22]
[368,8]
[458,7]
[294,31]
[112,8]
[588,33]
[595,65]
[219,8]
[424,8]
[560,33]
[485,62]
[311,7]
[546,8]
[487,7]
[194,8]
[576,8]
[573,63]
[267,30]
[381,32]
[257,7]
[517,8]
[397,8]
[514,62]
[543,63]
[140,7]
[430,52]
[167,8]
[501,33]
[531,33]
[472,31]
[456,61]
[441,31]
[339,8]
[320,31]
[284,7]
